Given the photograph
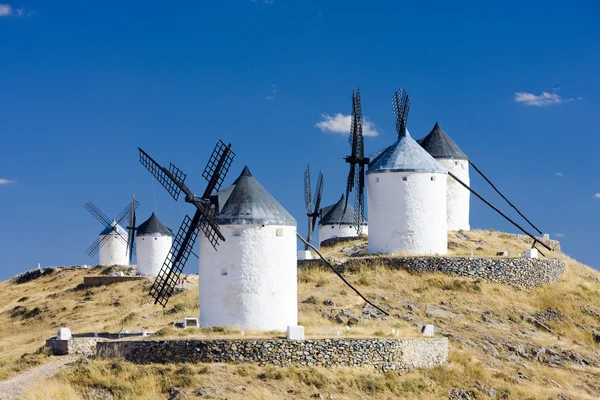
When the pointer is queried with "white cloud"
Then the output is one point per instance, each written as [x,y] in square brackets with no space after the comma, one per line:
[543,100]
[559,174]
[597,196]
[559,235]
[273,93]
[5,181]
[340,123]
[5,10]
[264,1]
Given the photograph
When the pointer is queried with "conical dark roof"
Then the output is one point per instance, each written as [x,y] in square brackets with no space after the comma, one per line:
[250,203]
[439,145]
[153,226]
[334,215]
[404,156]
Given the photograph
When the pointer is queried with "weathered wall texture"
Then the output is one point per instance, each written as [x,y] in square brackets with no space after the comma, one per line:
[114,250]
[152,252]
[251,281]
[339,231]
[382,354]
[407,216]
[520,272]
[86,347]
[457,196]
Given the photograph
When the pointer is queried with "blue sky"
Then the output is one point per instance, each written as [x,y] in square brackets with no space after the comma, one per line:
[83,84]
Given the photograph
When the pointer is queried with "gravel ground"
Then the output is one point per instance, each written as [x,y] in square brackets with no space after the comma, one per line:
[12,387]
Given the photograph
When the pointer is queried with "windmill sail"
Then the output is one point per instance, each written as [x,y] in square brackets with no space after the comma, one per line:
[204,217]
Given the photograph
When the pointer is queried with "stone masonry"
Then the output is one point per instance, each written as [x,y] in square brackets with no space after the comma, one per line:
[519,272]
[381,354]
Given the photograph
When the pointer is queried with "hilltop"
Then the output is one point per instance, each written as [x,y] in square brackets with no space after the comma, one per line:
[506,342]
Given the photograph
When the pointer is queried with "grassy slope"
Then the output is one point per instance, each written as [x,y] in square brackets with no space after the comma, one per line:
[493,330]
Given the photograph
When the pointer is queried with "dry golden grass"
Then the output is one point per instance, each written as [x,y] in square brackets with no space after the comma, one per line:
[127,306]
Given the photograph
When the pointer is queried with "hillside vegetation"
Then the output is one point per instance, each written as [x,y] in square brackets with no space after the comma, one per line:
[506,343]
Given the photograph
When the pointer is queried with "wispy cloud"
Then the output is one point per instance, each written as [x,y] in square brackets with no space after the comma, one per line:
[597,196]
[5,181]
[340,123]
[559,174]
[5,10]
[559,235]
[271,96]
[543,100]
[263,1]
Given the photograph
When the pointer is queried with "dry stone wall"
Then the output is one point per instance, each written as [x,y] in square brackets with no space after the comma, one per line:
[519,272]
[381,354]
[86,347]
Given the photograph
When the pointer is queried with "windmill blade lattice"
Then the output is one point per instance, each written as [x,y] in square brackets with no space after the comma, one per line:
[318,196]
[164,284]
[357,161]
[171,178]
[401,104]
[204,218]
[131,228]
[96,213]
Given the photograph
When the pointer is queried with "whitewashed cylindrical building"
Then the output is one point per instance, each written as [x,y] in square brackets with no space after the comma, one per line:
[439,145]
[335,224]
[250,282]
[113,248]
[406,190]
[153,242]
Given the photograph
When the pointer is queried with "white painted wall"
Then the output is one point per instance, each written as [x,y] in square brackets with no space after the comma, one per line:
[407,216]
[250,282]
[457,196]
[152,250]
[335,231]
[114,250]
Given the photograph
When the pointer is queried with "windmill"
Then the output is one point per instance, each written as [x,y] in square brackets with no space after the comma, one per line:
[312,210]
[204,219]
[112,228]
[357,161]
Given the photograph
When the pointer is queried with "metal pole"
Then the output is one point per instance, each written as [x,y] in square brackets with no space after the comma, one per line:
[498,211]
[509,203]
[338,274]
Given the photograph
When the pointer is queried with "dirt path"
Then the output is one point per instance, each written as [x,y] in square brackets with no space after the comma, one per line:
[13,386]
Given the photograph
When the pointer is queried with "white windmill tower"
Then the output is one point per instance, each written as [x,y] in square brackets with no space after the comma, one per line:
[251,282]
[406,190]
[153,241]
[334,223]
[113,242]
[439,145]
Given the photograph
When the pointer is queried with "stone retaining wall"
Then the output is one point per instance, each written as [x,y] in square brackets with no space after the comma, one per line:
[520,272]
[86,347]
[381,354]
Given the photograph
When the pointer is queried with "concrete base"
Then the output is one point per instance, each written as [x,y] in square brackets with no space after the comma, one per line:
[63,334]
[531,253]
[295,333]
[428,330]
[304,255]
